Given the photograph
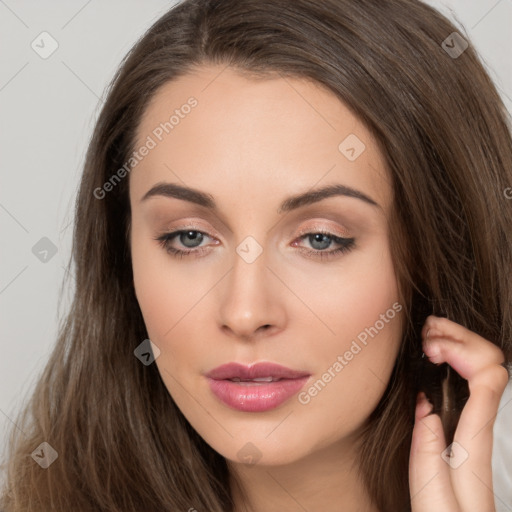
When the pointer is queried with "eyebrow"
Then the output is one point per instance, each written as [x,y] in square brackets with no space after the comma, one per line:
[192,195]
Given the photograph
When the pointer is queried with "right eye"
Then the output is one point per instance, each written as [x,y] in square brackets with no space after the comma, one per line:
[184,236]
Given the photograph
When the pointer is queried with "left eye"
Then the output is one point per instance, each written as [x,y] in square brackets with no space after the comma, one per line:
[192,238]
[322,240]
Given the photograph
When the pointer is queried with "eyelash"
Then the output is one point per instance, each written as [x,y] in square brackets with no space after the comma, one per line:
[346,244]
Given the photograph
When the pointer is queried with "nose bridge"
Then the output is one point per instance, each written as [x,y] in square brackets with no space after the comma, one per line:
[249,265]
[248,300]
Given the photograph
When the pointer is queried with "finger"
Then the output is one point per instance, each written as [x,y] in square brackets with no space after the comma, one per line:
[429,476]
[477,360]
[439,328]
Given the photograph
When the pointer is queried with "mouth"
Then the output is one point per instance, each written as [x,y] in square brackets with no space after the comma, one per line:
[256,388]
[254,382]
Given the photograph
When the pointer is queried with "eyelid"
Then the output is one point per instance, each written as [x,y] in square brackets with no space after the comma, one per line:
[176,232]
[345,243]
[322,227]
[317,227]
[191,226]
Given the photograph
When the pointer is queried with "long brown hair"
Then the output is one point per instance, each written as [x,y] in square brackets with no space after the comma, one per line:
[122,443]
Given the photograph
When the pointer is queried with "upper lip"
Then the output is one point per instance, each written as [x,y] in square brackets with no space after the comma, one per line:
[254,371]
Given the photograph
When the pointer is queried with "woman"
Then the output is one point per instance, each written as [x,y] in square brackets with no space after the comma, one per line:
[214,357]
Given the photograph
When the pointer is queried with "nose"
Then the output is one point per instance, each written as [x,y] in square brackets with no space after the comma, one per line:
[250,302]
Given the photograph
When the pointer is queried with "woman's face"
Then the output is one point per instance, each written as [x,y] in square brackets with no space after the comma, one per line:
[259,282]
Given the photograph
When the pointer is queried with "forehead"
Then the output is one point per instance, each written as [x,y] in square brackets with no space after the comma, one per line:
[218,130]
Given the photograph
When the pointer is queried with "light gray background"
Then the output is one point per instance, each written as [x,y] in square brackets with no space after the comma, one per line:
[48,108]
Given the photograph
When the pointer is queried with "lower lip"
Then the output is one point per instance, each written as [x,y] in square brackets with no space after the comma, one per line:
[255,397]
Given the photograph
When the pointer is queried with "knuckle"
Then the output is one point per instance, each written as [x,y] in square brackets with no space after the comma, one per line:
[502,376]
[493,378]
[497,353]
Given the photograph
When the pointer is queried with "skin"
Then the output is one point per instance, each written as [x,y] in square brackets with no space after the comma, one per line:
[464,484]
[251,144]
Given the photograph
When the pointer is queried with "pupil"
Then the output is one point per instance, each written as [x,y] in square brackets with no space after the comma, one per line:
[320,237]
[190,236]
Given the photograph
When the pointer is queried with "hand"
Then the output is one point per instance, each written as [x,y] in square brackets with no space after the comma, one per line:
[464,485]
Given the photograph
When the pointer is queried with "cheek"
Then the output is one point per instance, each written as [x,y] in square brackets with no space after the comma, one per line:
[350,385]
[347,297]
[355,367]
[172,296]
[157,293]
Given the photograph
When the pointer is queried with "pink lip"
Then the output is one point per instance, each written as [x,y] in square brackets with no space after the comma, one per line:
[255,396]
